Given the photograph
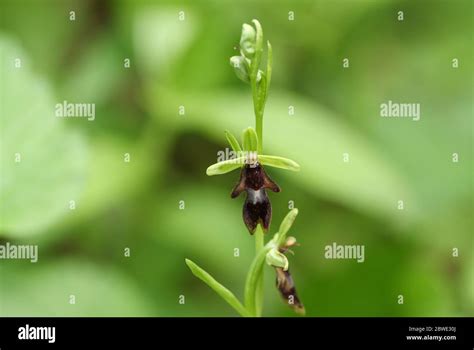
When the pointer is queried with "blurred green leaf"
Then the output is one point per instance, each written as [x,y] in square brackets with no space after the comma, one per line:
[97,74]
[103,187]
[159,36]
[201,222]
[45,289]
[36,191]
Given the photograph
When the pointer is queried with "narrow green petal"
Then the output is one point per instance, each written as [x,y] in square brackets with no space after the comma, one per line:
[250,140]
[279,162]
[222,291]
[233,142]
[225,166]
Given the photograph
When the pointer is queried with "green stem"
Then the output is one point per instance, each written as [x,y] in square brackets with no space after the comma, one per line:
[254,286]
[259,130]
[253,279]
[253,80]
[259,289]
[258,114]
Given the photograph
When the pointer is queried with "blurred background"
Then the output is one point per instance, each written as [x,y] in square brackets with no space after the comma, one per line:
[135,205]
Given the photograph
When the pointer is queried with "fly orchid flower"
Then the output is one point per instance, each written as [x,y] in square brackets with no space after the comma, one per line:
[253,180]
[276,258]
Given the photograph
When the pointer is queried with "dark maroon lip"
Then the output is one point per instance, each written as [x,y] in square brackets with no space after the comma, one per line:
[286,287]
[257,207]
[254,177]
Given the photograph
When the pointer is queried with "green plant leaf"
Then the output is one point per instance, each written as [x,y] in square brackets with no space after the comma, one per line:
[233,142]
[159,38]
[222,291]
[225,166]
[250,140]
[43,159]
[279,162]
[99,290]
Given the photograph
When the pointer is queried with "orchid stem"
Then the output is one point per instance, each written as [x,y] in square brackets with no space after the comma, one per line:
[259,105]
[259,290]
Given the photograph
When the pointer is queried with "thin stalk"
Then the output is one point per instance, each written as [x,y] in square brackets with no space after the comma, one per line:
[253,278]
[258,114]
[259,130]
[259,290]
[253,80]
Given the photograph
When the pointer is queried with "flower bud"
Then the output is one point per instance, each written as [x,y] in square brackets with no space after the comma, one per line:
[248,41]
[240,68]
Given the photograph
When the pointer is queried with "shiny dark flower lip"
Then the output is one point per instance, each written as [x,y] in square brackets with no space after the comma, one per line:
[286,287]
[257,207]
[276,257]
[284,280]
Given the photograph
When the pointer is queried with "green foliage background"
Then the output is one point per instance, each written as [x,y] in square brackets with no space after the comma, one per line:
[175,63]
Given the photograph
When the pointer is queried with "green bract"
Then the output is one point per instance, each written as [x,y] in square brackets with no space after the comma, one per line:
[285,226]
